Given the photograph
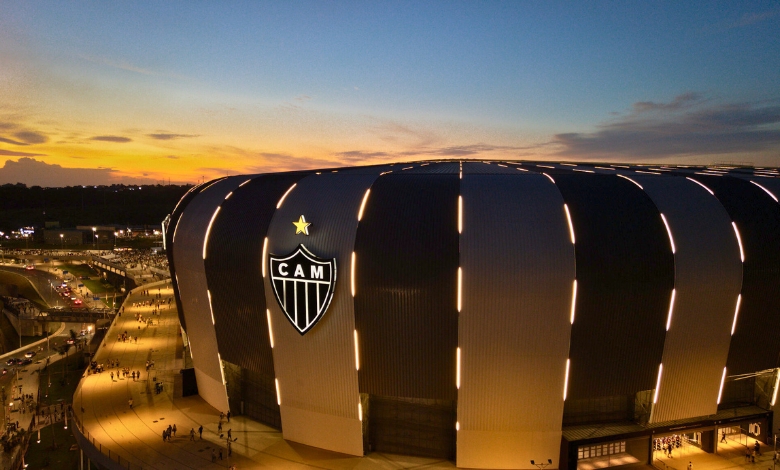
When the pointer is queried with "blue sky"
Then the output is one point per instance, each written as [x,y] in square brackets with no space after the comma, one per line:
[178,89]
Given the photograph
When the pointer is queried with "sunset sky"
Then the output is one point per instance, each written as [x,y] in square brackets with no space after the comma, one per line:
[102,92]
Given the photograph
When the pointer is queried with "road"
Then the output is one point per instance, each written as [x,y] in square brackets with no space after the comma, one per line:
[42,281]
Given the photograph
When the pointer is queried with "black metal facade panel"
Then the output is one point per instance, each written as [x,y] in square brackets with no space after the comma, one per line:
[482,168]
[756,342]
[193,287]
[233,271]
[625,272]
[708,278]
[175,216]
[428,167]
[405,308]
[317,370]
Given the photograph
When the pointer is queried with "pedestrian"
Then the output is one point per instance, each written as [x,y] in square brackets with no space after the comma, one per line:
[229,449]
[213,455]
[130,402]
[219,428]
[757,448]
[165,435]
[220,453]
[174,430]
[723,436]
[230,435]
[200,431]
[228,416]
[221,415]
[112,375]
[690,465]
[192,434]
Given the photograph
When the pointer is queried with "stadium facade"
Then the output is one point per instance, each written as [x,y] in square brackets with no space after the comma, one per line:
[492,313]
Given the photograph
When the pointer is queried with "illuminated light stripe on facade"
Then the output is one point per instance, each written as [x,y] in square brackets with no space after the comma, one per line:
[766,191]
[669,232]
[460,214]
[278,395]
[736,314]
[722,381]
[265,251]
[211,309]
[279,204]
[549,177]
[566,380]
[573,301]
[270,328]
[571,226]
[777,384]
[658,383]
[583,171]
[457,425]
[245,182]
[363,204]
[647,172]
[629,179]
[208,231]
[567,164]
[457,368]
[671,309]
[621,166]
[221,369]
[546,166]
[521,169]
[228,195]
[357,351]
[739,241]
[360,411]
[352,275]
[604,168]
[407,168]
[501,165]
[460,284]
[700,184]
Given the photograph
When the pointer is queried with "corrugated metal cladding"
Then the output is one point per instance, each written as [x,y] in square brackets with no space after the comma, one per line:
[518,271]
[405,307]
[193,287]
[317,370]
[625,272]
[234,271]
[708,278]
[755,344]
[175,216]
[433,168]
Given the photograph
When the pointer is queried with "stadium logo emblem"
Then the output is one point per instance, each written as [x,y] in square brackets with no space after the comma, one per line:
[303,285]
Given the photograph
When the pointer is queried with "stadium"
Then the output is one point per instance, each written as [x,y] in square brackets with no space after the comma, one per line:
[496,314]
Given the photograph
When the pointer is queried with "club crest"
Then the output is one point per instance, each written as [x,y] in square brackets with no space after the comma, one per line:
[303,285]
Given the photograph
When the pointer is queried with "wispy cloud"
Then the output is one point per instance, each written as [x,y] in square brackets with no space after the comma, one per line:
[125,65]
[169,136]
[12,142]
[33,172]
[11,153]
[111,138]
[687,125]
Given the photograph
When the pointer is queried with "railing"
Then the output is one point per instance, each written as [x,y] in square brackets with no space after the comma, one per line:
[105,451]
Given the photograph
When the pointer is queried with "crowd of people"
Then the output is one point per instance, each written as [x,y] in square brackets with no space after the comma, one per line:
[137,258]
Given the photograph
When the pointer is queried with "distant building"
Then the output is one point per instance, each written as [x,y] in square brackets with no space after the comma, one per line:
[498,314]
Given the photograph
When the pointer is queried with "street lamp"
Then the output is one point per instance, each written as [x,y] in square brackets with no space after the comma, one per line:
[62,241]
[94,229]
[97,242]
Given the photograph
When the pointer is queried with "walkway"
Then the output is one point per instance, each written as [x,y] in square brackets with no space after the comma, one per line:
[136,434]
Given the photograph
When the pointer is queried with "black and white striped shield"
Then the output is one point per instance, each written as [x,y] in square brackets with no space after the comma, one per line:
[303,285]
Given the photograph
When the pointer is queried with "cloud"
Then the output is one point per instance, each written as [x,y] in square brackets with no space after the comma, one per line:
[168,136]
[12,142]
[33,172]
[111,138]
[125,65]
[31,137]
[11,153]
[275,162]
[688,125]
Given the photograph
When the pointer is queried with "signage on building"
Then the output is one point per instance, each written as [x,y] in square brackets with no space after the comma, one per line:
[303,284]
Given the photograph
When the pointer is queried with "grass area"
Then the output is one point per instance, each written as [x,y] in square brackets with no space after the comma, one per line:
[44,455]
[99,287]
[64,376]
[79,269]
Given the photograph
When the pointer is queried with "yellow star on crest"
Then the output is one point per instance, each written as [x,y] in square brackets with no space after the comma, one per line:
[302,226]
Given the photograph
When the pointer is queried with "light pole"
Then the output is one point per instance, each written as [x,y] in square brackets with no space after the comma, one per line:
[94,230]
[62,242]
[97,241]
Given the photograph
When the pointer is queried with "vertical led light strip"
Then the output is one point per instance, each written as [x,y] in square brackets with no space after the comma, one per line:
[457,368]
[279,204]
[357,352]
[278,395]
[363,204]
[221,369]
[566,380]
[571,226]
[739,241]
[460,214]
[766,191]
[669,232]
[736,314]
[211,309]
[460,288]
[270,329]
[208,231]
[700,184]
[352,275]
[722,381]
[629,179]
[549,177]
[658,383]
[777,384]
[573,301]
[457,425]
[265,251]
[360,411]
[671,309]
